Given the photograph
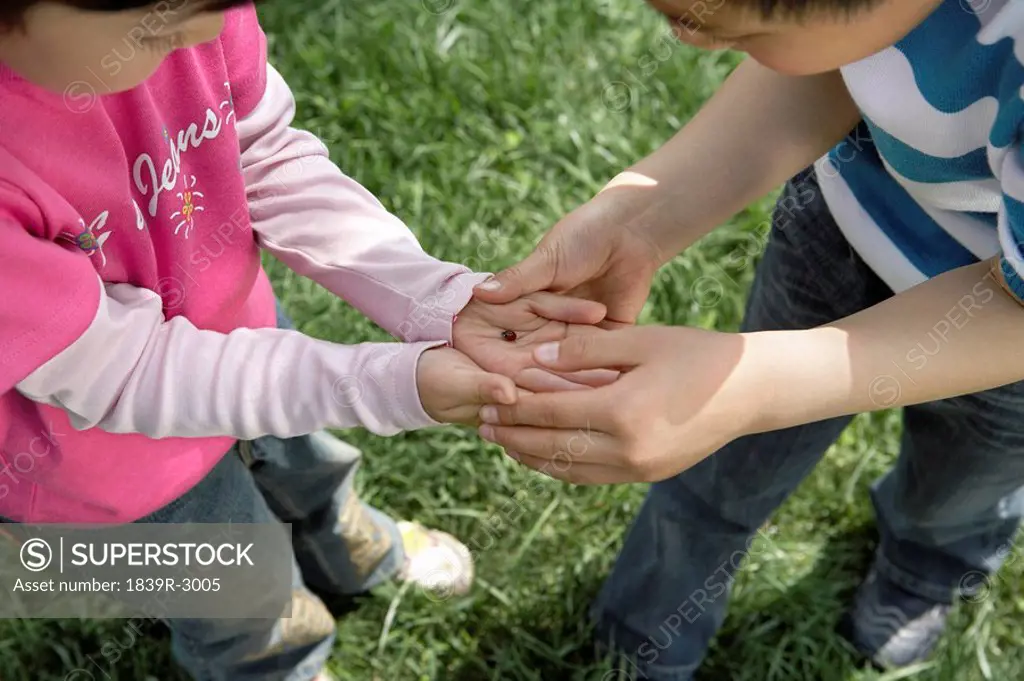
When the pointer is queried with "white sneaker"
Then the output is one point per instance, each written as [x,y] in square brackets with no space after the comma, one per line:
[435,561]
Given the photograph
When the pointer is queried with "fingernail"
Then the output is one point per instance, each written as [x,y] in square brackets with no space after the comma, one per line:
[489,414]
[514,455]
[490,285]
[487,433]
[547,353]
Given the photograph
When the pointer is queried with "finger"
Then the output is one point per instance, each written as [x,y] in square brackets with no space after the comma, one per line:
[623,348]
[610,324]
[577,474]
[544,381]
[535,273]
[495,388]
[564,446]
[562,308]
[568,409]
[593,378]
[541,381]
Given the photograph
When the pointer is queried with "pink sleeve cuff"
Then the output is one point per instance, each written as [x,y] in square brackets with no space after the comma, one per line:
[434,317]
[387,385]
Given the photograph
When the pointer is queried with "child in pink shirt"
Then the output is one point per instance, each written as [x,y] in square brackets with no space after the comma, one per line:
[146,157]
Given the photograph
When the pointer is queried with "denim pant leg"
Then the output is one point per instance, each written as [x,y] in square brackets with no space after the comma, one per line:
[343,546]
[948,511]
[666,596]
[283,649]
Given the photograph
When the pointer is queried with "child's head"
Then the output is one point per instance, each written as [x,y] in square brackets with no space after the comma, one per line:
[119,43]
[798,37]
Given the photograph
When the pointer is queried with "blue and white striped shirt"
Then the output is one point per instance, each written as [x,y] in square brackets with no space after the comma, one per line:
[941,185]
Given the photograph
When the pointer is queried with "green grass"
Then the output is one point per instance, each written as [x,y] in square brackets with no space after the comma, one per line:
[481,125]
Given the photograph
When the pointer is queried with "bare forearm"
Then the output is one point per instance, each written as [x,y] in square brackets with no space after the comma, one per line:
[758,130]
[956,334]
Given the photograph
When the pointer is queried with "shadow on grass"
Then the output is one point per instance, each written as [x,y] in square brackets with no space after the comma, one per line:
[547,638]
[792,635]
[768,635]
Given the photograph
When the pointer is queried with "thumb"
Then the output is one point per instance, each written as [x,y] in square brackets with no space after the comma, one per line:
[612,349]
[496,389]
[535,273]
[474,386]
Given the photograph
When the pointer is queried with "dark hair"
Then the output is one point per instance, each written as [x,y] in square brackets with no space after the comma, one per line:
[800,8]
[12,11]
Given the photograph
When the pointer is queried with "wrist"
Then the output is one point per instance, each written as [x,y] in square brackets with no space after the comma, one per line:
[663,206]
[640,206]
[426,412]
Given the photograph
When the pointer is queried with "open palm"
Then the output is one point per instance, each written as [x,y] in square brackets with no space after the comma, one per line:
[535,319]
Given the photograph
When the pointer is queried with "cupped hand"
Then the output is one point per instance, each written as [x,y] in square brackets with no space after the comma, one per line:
[683,394]
[480,331]
[598,252]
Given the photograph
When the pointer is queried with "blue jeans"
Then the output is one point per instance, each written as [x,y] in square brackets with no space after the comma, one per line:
[341,545]
[947,512]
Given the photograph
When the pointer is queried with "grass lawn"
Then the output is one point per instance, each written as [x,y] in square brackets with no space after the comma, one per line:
[481,122]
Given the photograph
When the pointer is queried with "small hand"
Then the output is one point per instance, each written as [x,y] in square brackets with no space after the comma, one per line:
[684,393]
[452,388]
[535,319]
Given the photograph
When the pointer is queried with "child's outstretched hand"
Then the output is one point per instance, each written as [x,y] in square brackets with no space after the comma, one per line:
[481,331]
[453,388]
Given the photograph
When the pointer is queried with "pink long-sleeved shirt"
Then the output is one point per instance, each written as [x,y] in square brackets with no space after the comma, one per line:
[136,324]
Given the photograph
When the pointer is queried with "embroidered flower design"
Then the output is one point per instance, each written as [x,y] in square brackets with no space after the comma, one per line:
[88,239]
[88,242]
[188,207]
